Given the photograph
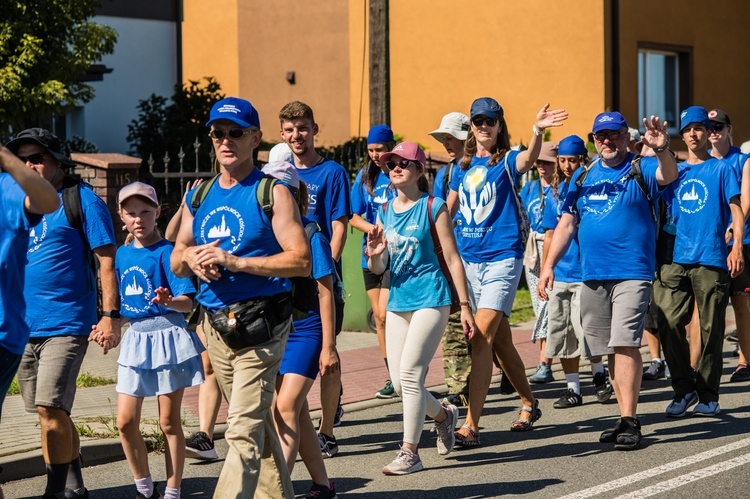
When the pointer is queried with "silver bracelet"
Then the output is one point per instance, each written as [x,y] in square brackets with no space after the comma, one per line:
[537,131]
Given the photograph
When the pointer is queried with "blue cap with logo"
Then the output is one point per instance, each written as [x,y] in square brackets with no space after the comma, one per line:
[571,145]
[486,106]
[694,114]
[609,121]
[236,110]
[380,134]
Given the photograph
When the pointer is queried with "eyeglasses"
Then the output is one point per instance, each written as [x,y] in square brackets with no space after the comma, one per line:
[233,133]
[717,127]
[34,159]
[404,164]
[484,120]
[614,135]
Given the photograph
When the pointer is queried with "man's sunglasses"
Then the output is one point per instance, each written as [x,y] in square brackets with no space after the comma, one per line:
[602,136]
[34,159]
[717,127]
[484,120]
[233,133]
[404,164]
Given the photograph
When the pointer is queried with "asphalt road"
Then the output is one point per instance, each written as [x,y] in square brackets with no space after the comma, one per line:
[561,457]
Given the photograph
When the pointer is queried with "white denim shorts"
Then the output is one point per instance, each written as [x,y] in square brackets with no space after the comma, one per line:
[493,285]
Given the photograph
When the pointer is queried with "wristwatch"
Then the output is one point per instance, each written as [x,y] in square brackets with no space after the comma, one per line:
[112,314]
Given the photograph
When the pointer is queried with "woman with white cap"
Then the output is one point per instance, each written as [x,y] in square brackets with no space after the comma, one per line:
[412,232]
[491,246]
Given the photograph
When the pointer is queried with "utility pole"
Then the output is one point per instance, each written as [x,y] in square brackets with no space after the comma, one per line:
[380,74]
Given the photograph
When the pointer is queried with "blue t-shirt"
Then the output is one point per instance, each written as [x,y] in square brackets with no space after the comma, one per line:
[15,223]
[57,273]
[568,268]
[139,272]
[616,232]
[737,159]
[533,203]
[366,204]
[487,225]
[328,193]
[234,217]
[698,202]
[322,266]
[417,281]
[441,185]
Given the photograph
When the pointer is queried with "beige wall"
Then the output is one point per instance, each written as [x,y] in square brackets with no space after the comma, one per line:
[717,32]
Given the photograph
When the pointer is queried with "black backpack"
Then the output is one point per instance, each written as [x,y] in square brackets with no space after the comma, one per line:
[71,200]
[304,289]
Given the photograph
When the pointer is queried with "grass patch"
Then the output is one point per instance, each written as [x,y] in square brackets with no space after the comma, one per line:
[13,389]
[522,310]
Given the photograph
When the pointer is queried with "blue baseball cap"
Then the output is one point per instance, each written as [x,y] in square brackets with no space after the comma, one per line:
[236,110]
[609,121]
[571,145]
[694,114]
[380,134]
[486,106]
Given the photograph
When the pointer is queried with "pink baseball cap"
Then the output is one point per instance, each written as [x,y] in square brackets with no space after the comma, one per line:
[406,150]
[137,189]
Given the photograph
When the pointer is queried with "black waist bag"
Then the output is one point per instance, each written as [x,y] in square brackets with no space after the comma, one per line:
[251,322]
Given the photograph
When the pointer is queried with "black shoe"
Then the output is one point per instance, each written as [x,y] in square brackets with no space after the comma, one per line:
[457,399]
[199,446]
[568,399]
[610,436]
[629,437]
[338,416]
[321,492]
[603,387]
[71,494]
[328,446]
[656,370]
[506,387]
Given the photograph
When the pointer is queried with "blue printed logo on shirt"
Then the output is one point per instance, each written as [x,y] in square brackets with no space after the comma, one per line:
[477,196]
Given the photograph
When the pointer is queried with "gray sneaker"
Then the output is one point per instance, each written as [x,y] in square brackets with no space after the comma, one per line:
[656,370]
[543,374]
[406,462]
[680,404]
[446,437]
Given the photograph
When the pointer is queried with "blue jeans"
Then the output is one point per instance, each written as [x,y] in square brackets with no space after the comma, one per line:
[8,366]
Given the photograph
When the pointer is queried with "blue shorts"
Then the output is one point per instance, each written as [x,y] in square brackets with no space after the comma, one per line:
[493,285]
[8,366]
[302,354]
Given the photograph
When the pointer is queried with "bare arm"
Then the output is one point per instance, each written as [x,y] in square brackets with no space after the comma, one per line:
[108,329]
[360,223]
[41,197]
[745,189]
[293,260]
[182,303]
[735,260]
[182,260]
[566,229]
[444,227]
[329,360]
[452,203]
[173,228]
[338,237]
[546,244]
[544,119]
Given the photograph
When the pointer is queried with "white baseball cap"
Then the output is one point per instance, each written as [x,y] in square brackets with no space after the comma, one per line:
[284,171]
[455,124]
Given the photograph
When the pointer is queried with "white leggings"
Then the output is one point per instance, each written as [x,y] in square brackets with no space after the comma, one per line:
[411,339]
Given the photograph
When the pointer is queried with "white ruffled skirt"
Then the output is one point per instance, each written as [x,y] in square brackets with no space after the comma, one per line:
[158,355]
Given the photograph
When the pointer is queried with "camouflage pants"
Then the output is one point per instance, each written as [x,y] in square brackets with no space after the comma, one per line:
[456,357]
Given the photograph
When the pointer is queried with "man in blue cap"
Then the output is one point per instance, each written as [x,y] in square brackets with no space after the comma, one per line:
[243,256]
[612,210]
[699,204]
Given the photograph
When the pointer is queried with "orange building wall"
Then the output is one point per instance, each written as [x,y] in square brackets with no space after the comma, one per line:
[210,42]
[444,54]
[717,32]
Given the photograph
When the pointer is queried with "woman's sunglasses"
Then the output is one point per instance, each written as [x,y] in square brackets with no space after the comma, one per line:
[484,120]
[404,164]
[233,133]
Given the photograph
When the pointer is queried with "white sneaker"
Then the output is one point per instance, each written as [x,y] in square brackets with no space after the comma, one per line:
[406,462]
[679,405]
[707,409]
[446,437]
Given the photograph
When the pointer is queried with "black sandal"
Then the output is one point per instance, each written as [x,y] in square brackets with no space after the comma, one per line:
[629,437]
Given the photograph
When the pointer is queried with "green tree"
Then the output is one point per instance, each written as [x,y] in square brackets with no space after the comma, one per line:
[166,125]
[45,47]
